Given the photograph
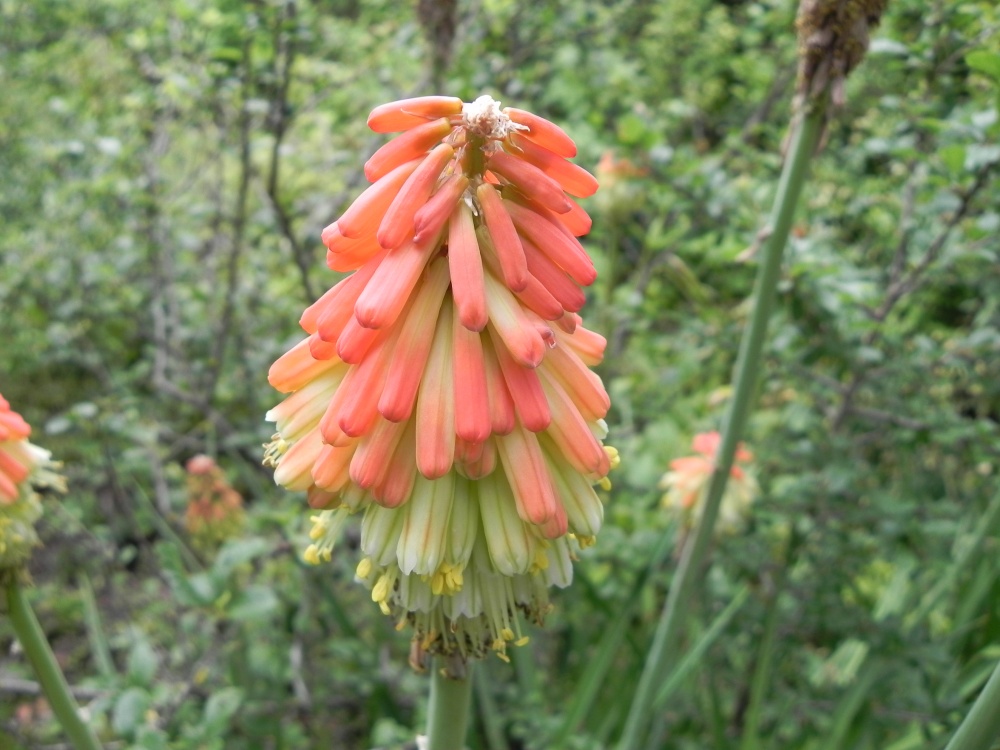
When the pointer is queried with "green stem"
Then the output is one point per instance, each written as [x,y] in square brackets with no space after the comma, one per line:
[95,632]
[969,552]
[849,705]
[747,365]
[489,713]
[53,683]
[595,680]
[448,711]
[981,727]
[164,527]
[762,670]
[687,665]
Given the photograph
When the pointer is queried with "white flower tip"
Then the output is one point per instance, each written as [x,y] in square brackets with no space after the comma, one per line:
[484,118]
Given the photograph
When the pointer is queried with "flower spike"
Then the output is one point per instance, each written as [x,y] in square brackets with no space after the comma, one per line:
[443,388]
[24,470]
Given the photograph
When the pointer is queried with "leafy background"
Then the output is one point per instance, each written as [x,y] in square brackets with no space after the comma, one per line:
[166,171]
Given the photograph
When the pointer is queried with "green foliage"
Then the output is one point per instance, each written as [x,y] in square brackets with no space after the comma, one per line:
[168,168]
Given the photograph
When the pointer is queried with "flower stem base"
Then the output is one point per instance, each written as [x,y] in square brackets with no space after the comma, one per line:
[53,683]
[448,711]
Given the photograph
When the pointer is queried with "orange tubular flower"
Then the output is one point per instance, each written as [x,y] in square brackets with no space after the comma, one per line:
[444,388]
[23,466]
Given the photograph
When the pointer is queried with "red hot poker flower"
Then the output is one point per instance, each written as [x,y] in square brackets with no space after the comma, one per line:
[23,467]
[687,482]
[444,387]
[16,461]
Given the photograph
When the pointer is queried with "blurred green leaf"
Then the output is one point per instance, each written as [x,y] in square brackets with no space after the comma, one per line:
[130,711]
[143,662]
[978,156]
[253,603]
[147,738]
[953,157]
[221,706]
[238,552]
[985,62]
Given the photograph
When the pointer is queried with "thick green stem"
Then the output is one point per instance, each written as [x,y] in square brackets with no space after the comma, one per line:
[51,678]
[448,712]
[745,381]
[981,727]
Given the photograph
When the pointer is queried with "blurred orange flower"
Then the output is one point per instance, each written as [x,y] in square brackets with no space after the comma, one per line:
[687,481]
[215,510]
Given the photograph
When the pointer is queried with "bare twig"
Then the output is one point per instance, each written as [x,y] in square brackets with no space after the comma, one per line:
[902,283]
[17,686]
[296,662]
[779,87]
[223,330]
[161,490]
[901,255]
[913,279]
[284,44]
[218,420]
[877,415]
[163,306]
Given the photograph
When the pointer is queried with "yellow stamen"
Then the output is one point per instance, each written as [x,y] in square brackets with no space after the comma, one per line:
[540,561]
[318,529]
[311,555]
[381,589]
[274,450]
[613,456]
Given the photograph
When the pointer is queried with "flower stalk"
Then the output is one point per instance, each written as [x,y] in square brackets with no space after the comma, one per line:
[448,709]
[43,661]
[693,555]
